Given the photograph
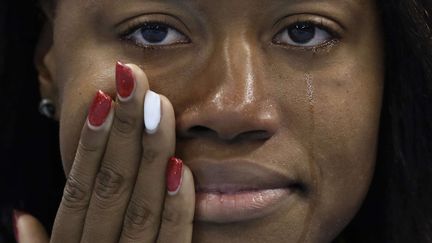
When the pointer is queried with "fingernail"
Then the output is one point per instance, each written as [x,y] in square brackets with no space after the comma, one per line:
[15,217]
[152,112]
[174,175]
[99,109]
[125,81]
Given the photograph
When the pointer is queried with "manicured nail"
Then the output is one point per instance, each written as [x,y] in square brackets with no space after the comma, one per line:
[174,175]
[152,112]
[15,217]
[125,81]
[99,109]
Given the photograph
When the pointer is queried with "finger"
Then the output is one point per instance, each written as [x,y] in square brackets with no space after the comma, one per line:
[68,225]
[142,218]
[178,212]
[29,229]
[117,173]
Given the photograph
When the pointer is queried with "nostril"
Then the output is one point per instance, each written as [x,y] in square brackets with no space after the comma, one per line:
[199,131]
[254,135]
[203,131]
[228,125]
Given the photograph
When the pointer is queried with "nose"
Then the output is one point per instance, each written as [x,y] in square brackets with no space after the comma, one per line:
[234,103]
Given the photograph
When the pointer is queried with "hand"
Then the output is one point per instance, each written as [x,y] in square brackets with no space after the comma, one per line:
[116,190]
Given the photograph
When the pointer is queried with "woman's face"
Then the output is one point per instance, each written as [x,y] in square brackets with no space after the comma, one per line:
[258,88]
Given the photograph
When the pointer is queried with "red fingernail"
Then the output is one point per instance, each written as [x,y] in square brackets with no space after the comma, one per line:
[125,81]
[99,109]
[173,175]
[15,216]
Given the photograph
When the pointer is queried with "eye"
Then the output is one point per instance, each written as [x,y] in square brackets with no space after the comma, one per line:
[303,34]
[156,34]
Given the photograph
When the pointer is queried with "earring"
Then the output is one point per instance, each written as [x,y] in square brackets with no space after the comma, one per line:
[47,108]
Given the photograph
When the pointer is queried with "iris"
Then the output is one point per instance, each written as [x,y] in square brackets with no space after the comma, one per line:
[301,32]
[154,33]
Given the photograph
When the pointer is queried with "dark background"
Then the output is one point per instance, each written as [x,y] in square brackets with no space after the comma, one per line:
[31,177]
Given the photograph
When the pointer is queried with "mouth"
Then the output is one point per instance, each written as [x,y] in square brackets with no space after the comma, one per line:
[232,191]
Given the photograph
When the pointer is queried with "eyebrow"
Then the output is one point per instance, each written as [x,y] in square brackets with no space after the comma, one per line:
[349,2]
[352,2]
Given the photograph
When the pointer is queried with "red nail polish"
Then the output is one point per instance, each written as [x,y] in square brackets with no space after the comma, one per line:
[173,175]
[15,216]
[99,109]
[124,80]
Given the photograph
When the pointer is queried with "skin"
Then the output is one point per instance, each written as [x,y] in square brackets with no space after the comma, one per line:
[310,113]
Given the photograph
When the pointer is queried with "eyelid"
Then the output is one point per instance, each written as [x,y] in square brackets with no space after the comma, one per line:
[324,23]
[141,42]
[129,26]
[166,18]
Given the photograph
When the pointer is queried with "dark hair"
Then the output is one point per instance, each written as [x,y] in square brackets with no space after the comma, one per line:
[31,177]
[398,207]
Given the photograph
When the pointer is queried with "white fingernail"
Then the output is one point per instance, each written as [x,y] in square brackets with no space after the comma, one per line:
[152,112]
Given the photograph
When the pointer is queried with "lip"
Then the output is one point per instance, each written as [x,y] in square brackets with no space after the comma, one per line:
[237,190]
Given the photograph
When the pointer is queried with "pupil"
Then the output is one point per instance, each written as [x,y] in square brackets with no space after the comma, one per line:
[154,33]
[301,32]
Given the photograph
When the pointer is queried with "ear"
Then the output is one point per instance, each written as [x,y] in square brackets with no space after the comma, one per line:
[46,66]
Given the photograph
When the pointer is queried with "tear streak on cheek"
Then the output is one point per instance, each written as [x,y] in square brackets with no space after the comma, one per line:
[314,170]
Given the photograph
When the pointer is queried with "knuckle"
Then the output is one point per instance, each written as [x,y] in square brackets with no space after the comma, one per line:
[173,216]
[76,194]
[149,154]
[85,148]
[138,218]
[124,123]
[109,184]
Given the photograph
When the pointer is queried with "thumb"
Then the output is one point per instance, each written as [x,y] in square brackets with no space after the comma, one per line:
[28,229]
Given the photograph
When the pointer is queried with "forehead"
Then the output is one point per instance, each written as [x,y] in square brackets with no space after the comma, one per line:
[96,4]
[216,10]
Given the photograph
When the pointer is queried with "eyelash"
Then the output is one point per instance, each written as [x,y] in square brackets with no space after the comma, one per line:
[136,25]
[335,36]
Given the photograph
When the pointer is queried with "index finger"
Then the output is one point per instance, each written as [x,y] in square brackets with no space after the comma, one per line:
[69,222]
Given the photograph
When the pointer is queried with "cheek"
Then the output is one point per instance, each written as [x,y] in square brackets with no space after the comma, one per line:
[347,107]
[78,85]
[71,121]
